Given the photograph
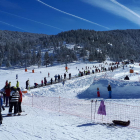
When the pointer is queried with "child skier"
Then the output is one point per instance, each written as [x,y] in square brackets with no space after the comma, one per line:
[98,92]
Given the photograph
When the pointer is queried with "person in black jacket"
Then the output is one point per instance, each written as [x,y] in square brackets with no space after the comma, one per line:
[109,90]
[126,77]
[14,98]
[27,84]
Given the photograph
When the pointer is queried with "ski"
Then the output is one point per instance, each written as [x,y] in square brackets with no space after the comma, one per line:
[14,115]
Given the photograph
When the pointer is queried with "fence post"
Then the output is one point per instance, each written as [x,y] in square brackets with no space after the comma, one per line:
[91,109]
[95,109]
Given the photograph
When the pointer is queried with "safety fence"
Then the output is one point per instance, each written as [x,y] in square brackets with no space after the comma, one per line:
[87,109]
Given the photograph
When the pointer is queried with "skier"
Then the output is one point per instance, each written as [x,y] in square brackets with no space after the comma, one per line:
[51,80]
[10,84]
[109,90]
[14,98]
[17,85]
[98,92]
[58,78]
[64,75]
[69,75]
[55,77]
[27,84]
[45,81]
[41,82]
[7,91]
[6,83]
[19,101]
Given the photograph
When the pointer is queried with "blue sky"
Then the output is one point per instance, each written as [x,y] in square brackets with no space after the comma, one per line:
[54,16]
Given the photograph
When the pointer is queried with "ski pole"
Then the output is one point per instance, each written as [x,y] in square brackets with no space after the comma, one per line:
[95,109]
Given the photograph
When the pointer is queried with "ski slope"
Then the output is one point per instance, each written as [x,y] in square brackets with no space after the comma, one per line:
[63,112]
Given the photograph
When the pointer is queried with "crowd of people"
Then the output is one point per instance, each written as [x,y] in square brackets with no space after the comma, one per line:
[10,97]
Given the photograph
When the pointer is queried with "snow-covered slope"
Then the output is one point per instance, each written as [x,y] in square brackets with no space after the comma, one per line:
[63,112]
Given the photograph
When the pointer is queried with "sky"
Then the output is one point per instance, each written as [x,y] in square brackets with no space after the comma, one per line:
[54,16]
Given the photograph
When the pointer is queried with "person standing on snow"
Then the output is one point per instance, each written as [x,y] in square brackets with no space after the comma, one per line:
[17,85]
[27,84]
[6,83]
[14,98]
[109,90]
[19,101]
[98,92]
[45,81]
[51,80]
[7,91]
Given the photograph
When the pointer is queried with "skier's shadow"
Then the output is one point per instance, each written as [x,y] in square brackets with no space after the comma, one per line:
[87,124]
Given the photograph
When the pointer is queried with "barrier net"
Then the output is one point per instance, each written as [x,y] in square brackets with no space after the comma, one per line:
[87,109]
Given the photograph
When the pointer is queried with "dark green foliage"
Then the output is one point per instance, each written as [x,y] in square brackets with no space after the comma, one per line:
[19,48]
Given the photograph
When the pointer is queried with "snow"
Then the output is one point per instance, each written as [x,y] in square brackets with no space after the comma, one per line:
[63,112]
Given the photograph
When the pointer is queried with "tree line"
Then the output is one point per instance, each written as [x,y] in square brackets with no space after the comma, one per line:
[26,49]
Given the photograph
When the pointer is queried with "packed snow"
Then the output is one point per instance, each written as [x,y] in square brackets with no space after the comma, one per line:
[63,112]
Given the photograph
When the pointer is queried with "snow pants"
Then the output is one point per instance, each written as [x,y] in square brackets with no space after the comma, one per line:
[110,94]
[15,104]
[7,100]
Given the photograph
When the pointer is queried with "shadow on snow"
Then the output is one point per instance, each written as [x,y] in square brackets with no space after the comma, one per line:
[123,90]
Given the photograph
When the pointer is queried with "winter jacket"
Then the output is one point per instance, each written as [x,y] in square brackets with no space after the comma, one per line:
[7,91]
[17,85]
[109,88]
[14,96]
[20,96]
[1,101]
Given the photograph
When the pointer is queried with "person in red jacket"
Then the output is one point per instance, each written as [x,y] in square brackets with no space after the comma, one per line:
[98,92]
[7,91]
[6,83]
[20,101]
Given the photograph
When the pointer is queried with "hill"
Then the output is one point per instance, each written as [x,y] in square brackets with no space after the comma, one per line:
[20,48]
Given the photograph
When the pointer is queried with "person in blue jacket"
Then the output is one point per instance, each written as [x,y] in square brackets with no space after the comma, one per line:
[109,90]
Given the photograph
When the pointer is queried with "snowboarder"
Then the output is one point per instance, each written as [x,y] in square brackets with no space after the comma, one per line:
[109,90]
[98,92]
